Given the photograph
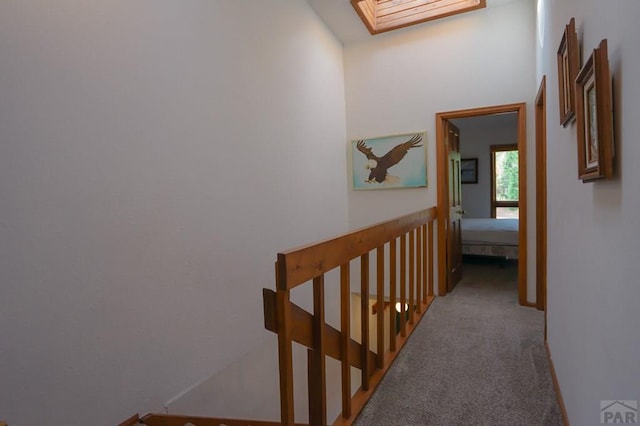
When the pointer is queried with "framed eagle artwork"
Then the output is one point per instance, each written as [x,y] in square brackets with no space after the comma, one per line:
[398,161]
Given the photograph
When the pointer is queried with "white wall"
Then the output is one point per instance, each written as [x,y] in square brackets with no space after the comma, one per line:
[154,157]
[397,82]
[593,230]
[477,134]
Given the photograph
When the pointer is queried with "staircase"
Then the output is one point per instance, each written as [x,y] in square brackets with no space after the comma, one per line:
[404,247]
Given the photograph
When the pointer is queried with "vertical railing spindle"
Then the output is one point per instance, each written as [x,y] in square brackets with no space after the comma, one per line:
[430,232]
[364,320]
[345,337]
[317,373]
[403,285]
[424,263]
[380,303]
[392,295]
[419,270]
[412,271]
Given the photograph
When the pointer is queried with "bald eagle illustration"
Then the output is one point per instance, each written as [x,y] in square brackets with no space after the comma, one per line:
[380,165]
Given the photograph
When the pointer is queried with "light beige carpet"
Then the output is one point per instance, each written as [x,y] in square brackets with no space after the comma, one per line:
[476,358]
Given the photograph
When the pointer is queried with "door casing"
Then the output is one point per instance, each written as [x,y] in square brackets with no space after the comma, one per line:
[454,251]
[541,199]
[443,194]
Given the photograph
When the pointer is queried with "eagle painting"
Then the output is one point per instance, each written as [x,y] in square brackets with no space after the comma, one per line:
[378,167]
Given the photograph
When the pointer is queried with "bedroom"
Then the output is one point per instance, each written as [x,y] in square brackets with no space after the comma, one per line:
[489,172]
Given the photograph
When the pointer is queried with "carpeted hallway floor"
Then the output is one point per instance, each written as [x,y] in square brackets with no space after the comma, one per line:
[477,358]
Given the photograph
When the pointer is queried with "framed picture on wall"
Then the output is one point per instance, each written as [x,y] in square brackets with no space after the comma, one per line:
[594,110]
[398,161]
[568,66]
[469,170]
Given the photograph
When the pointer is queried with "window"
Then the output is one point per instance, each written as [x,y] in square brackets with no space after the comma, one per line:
[504,181]
[385,15]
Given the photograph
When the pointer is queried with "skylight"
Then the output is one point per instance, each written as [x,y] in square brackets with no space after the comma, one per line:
[386,15]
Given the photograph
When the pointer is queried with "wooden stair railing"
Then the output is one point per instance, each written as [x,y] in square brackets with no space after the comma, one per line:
[293,324]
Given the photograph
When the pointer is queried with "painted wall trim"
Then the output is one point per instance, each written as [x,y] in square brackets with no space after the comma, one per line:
[556,386]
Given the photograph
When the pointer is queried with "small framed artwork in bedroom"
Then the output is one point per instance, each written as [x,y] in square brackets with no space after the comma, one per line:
[594,110]
[469,170]
[568,66]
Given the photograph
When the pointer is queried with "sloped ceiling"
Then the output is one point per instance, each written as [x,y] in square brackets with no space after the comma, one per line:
[345,23]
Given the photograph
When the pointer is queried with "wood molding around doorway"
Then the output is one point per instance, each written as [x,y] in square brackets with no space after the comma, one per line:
[541,196]
[442,185]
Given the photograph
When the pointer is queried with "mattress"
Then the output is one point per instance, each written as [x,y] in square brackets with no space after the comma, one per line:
[490,231]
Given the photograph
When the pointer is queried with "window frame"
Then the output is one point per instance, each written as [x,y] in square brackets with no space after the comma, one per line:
[495,203]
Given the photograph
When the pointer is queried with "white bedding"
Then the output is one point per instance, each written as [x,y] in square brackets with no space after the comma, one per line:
[490,231]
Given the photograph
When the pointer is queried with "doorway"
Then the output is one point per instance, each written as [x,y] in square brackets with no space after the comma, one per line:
[445,240]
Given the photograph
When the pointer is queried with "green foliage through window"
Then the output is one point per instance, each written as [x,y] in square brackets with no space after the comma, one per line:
[506,175]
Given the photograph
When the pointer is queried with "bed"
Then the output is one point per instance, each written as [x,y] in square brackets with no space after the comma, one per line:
[490,237]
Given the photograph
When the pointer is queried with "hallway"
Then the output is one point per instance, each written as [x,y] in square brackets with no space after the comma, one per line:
[476,358]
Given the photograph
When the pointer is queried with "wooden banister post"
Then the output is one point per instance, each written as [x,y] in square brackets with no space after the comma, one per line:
[285,352]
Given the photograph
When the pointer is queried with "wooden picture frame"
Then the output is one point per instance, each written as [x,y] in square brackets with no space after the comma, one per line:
[594,110]
[397,161]
[469,170]
[568,66]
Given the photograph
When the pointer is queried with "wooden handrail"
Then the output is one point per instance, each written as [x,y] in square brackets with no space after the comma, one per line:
[302,264]
[309,263]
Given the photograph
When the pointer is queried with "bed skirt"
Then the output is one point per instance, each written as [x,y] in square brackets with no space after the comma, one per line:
[506,251]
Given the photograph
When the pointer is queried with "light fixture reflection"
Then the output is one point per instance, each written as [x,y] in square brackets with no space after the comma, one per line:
[399,307]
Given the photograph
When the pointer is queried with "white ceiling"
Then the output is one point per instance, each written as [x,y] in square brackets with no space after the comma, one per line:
[345,23]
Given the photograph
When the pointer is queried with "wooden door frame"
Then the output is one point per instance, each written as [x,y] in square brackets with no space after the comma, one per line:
[443,196]
[454,275]
[541,199]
